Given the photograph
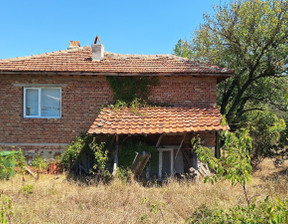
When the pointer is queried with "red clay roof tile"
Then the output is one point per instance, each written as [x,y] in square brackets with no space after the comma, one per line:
[79,60]
[157,120]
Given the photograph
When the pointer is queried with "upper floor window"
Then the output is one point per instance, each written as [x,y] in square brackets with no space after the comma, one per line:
[42,102]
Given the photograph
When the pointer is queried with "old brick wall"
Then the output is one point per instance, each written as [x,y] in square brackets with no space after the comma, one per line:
[82,98]
[185,91]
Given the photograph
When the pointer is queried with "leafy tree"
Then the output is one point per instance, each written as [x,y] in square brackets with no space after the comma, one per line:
[182,49]
[265,129]
[251,37]
[234,165]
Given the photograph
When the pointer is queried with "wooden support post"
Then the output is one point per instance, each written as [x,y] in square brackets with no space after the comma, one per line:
[160,165]
[172,163]
[160,157]
[195,166]
[116,156]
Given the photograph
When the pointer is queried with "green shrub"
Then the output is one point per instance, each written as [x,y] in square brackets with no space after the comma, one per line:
[27,189]
[8,161]
[21,162]
[87,155]
[72,152]
[101,158]
[5,209]
[268,211]
[39,163]
[234,165]
[123,174]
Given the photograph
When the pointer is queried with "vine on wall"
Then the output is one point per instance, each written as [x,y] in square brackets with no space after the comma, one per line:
[127,89]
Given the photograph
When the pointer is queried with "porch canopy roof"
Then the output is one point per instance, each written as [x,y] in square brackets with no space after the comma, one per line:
[157,120]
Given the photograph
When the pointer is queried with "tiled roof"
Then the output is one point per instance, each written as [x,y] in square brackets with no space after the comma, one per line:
[79,60]
[157,120]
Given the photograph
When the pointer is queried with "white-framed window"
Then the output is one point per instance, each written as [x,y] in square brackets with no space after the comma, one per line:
[42,102]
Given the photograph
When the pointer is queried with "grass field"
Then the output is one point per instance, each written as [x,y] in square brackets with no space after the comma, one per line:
[53,199]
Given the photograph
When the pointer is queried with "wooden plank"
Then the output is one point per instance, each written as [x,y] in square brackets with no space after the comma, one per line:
[30,172]
[135,161]
[140,163]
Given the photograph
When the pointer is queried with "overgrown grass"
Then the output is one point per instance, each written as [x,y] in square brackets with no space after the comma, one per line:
[54,199]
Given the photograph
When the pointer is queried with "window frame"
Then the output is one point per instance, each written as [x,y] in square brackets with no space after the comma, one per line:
[39,102]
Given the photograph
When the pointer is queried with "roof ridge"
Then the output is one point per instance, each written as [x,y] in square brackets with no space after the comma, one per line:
[111,54]
[42,55]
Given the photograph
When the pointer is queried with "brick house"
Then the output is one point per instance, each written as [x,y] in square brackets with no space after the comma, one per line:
[48,99]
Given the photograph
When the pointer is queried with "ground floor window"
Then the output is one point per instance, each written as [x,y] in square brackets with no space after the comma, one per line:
[42,102]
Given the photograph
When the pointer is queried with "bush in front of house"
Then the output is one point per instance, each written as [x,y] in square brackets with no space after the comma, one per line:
[88,156]
[39,163]
[72,152]
[9,160]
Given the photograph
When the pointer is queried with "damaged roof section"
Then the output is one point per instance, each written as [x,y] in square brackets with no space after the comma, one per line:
[79,59]
[157,120]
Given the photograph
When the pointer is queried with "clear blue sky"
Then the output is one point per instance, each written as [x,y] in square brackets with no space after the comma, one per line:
[127,27]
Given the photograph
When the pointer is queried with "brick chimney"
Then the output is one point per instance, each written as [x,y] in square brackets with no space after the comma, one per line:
[97,50]
[73,44]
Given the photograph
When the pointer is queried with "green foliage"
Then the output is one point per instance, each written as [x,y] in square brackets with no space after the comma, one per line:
[27,189]
[21,162]
[182,49]
[123,174]
[128,88]
[234,165]
[268,211]
[101,159]
[89,154]
[6,167]
[72,152]
[9,161]
[154,206]
[128,153]
[265,130]
[250,37]
[5,209]
[135,104]
[39,163]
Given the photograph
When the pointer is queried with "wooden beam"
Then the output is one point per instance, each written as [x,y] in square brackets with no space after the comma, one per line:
[116,156]
[180,145]
[159,140]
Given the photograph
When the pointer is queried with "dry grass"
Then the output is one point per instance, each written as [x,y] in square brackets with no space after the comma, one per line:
[56,200]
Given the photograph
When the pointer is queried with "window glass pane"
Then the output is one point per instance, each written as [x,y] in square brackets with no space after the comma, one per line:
[32,102]
[50,102]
